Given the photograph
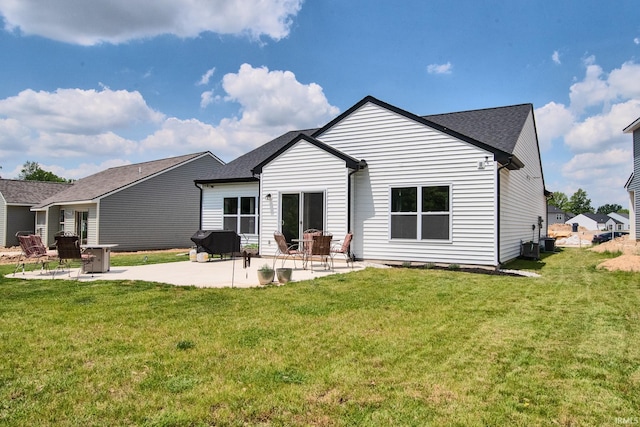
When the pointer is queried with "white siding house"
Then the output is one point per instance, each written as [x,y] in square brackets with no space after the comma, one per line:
[460,188]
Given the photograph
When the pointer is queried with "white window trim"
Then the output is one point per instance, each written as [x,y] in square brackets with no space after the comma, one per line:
[419,213]
[239,215]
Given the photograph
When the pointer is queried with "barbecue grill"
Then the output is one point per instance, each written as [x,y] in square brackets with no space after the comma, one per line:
[216,242]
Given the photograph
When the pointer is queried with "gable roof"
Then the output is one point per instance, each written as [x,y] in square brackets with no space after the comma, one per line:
[113,179]
[633,126]
[599,218]
[349,161]
[241,169]
[29,193]
[495,129]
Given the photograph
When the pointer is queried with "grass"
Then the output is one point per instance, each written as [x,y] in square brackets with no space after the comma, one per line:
[377,347]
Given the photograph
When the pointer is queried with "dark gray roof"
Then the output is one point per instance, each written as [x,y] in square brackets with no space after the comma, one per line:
[600,218]
[495,129]
[241,168]
[29,193]
[113,179]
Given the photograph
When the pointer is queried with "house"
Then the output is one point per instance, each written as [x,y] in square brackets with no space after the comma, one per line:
[151,205]
[16,199]
[621,221]
[555,215]
[591,221]
[458,188]
[633,183]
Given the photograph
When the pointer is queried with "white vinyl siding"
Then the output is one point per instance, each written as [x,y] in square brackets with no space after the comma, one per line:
[304,168]
[70,220]
[522,197]
[213,205]
[401,152]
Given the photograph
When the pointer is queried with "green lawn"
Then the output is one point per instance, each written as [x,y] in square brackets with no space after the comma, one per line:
[376,347]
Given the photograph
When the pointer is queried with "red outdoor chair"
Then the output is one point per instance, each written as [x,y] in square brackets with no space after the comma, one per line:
[343,249]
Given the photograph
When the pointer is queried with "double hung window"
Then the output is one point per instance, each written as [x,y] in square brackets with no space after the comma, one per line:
[240,215]
[421,212]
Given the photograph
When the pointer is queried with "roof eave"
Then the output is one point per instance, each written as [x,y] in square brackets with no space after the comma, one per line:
[225,180]
[633,126]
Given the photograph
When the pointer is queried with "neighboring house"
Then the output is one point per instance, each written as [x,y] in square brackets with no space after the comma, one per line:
[633,183]
[151,205]
[458,188]
[555,215]
[621,221]
[16,199]
[590,221]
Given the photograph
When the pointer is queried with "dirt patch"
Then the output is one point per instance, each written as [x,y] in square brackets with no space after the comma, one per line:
[628,261]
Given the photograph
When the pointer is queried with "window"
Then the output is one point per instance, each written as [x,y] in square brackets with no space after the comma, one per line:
[240,214]
[421,213]
[559,217]
[61,221]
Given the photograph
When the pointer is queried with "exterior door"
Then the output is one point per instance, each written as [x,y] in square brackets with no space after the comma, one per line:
[82,219]
[301,211]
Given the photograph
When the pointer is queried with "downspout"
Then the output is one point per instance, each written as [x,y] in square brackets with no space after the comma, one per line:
[498,207]
[199,187]
[361,165]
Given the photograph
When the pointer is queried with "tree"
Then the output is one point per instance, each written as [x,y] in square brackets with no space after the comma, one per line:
[579,203]
[31,171]
[559,200]
[608,208]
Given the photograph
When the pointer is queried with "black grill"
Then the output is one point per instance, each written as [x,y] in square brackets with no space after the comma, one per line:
[217,242]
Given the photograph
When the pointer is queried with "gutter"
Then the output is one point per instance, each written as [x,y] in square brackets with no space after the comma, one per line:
[506,165]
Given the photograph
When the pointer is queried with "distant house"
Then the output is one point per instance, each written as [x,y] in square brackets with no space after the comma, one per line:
[16,199]
[464,187]
[556,215]
[151,205]
[590,221]
[633,183]
[621,221]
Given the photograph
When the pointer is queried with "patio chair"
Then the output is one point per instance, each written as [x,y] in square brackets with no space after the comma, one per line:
[285,250]
[69,250]
[343,249]
[34,250]
[321,249]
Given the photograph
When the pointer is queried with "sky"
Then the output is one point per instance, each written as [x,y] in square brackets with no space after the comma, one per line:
[89,85]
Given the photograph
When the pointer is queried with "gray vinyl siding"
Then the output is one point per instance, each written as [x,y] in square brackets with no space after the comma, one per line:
[213,203]
[401,152]
[158,213]
[521,196]
[19,218]
[304,168]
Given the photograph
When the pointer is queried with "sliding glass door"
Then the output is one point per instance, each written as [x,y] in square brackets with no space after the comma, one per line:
[301,211]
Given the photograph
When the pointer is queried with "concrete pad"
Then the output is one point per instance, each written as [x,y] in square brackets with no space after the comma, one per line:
[213,274]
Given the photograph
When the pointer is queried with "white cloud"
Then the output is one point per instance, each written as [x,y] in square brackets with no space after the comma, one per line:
[440,68]
[276,100]
[602,131]
[117,21]
[77,111]
[555,57]
[206,98]
[204,80]
[552,121]
[76,124]
[601,105]
[636,40]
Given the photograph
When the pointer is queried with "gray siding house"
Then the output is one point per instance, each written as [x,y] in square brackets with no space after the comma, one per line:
[16,199]
[556,215]
[151,205]
[633,184]
[457,188]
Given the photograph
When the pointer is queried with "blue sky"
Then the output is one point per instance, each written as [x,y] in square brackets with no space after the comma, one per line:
[90,85]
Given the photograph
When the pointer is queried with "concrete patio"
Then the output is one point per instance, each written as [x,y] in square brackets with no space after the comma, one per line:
[212,274]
